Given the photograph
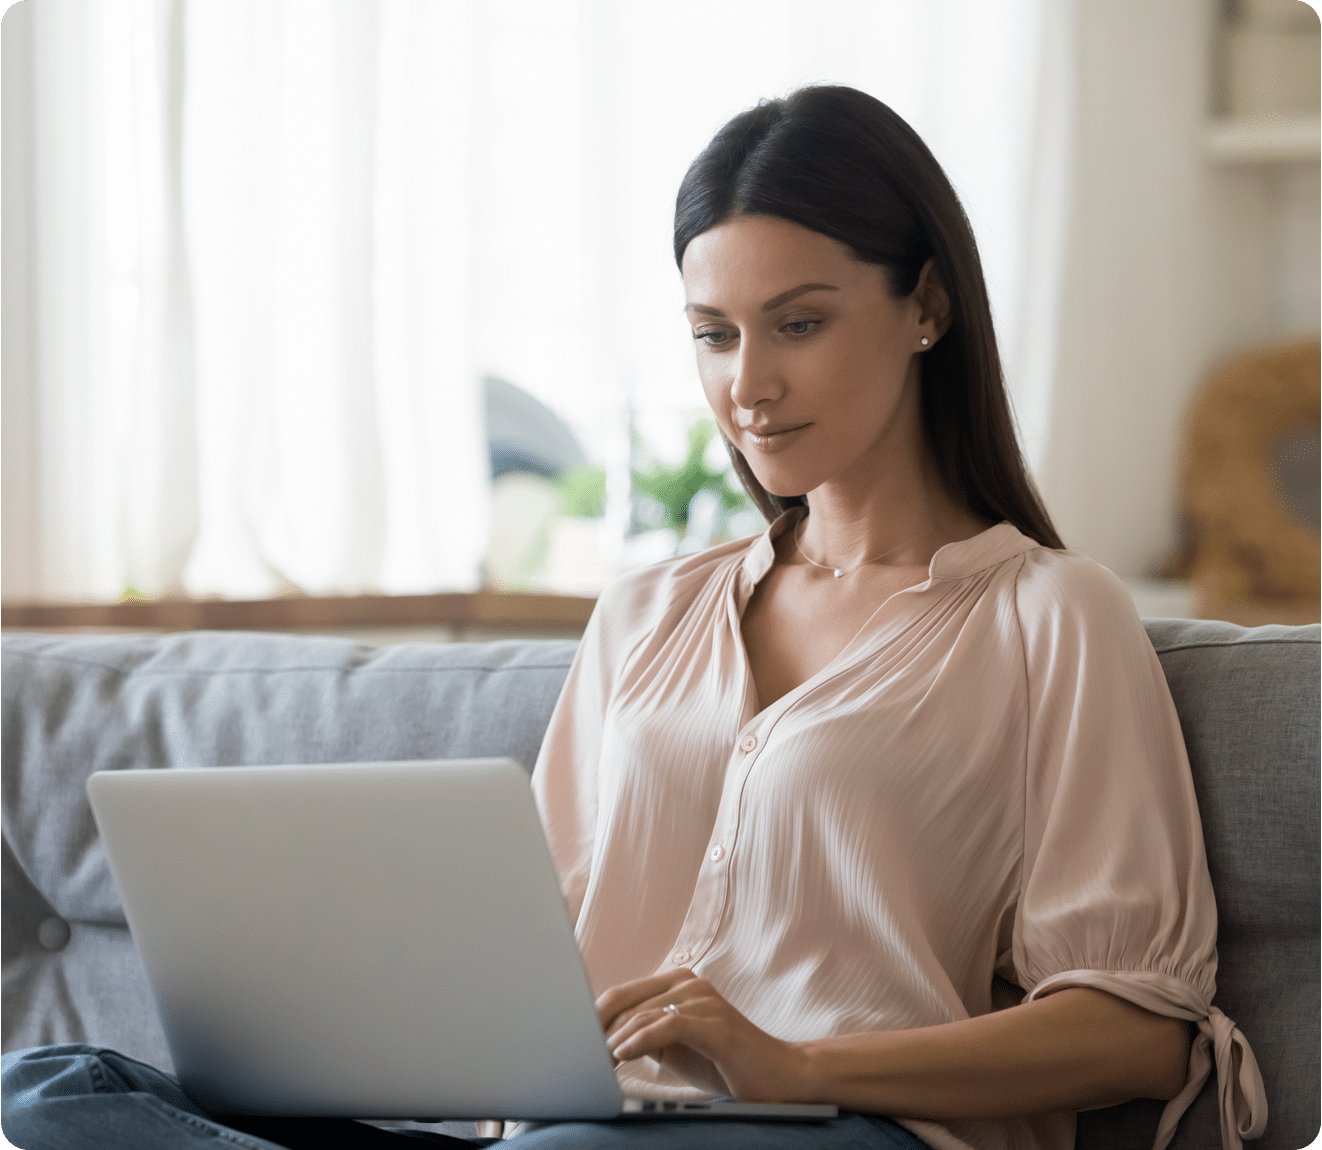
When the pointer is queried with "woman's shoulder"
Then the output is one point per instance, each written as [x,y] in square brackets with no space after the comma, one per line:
[1070,607]
[1038,580]
[1055,582]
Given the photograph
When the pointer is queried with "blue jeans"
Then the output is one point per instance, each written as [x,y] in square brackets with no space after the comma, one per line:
[76,1097]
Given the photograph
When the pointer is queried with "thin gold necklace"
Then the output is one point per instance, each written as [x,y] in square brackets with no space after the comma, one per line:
[839,571]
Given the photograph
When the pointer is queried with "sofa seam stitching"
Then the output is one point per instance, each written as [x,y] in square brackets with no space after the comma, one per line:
[205,671]
[1208,644]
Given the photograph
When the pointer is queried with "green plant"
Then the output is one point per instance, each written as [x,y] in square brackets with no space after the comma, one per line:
[674,487]
[583,492]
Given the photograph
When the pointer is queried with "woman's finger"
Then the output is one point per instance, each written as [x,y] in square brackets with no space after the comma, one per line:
[688,1005]
[629,1020]
[648,1032]
[618,999]
[690,1020]
[685,992]
[629,1024]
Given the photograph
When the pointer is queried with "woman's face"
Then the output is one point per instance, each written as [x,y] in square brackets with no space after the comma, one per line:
[809,363]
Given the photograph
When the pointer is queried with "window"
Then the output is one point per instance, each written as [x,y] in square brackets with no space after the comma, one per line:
[264,253]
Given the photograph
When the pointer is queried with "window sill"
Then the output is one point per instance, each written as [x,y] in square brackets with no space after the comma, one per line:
[480,614]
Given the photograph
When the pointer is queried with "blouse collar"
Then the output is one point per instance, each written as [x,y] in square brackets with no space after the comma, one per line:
[953,561]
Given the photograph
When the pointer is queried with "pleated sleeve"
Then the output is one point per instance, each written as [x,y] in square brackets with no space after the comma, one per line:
[565,776]
[1115,891]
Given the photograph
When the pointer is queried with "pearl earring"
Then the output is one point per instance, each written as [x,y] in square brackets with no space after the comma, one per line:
[925,341]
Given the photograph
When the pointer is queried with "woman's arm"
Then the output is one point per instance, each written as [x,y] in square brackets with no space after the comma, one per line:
[1072,1050]
[1076,1049]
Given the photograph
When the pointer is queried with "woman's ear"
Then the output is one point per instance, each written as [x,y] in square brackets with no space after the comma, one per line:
[933,302]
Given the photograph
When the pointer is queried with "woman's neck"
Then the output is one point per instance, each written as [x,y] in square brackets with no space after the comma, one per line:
[895,528]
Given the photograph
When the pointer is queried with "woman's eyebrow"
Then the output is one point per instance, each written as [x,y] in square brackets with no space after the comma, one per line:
[794,293]
[772,303]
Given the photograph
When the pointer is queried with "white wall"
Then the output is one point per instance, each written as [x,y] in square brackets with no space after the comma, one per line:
[1174,263]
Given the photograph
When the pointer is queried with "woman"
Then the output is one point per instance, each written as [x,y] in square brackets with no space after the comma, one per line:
[889,806]
[925,763]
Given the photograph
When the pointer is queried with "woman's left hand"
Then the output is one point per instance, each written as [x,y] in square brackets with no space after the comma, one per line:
[680,1009]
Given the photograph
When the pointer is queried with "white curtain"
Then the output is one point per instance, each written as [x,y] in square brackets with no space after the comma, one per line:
[251,365]
[273,245]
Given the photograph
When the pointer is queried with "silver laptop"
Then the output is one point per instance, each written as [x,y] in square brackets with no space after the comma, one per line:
[366,940]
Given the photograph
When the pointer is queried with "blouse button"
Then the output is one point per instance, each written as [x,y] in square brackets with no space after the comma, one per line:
[717,853]
[748,743]
[680,957]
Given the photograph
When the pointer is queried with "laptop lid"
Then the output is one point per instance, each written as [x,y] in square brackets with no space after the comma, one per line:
[380,940]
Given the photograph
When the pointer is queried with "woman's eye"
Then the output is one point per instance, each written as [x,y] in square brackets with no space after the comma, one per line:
[711,338]
[800,326]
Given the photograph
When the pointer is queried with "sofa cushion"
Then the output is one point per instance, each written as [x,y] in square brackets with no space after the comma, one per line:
[74,705]
[1253,750]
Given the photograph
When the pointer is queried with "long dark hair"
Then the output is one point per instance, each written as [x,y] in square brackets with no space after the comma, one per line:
[841,163]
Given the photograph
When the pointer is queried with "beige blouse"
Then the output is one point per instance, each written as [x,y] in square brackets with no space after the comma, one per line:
[989,779]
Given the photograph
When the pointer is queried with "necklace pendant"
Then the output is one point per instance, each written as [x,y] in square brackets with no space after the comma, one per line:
[838,572]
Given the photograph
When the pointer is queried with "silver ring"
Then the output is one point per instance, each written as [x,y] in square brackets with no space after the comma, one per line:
[670,1008]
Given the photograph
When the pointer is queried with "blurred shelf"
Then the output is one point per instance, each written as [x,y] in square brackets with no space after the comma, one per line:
[1180,599]
[1162,598]
[1264,139]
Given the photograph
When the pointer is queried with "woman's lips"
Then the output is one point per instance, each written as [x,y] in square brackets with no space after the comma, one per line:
[770,443]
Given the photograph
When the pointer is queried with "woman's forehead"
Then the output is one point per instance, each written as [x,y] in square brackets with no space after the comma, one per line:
[751,259]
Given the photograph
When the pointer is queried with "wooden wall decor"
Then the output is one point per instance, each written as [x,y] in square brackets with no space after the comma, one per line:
[1251,543]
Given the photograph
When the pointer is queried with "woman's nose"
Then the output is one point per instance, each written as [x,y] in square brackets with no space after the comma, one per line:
[755,379]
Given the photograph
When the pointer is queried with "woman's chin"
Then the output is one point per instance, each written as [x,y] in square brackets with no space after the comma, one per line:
[782,482]
[781,486]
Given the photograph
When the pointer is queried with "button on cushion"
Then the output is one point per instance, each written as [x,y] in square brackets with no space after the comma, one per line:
[53,933]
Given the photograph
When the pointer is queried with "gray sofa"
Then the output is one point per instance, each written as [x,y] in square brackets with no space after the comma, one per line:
[1248,702]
